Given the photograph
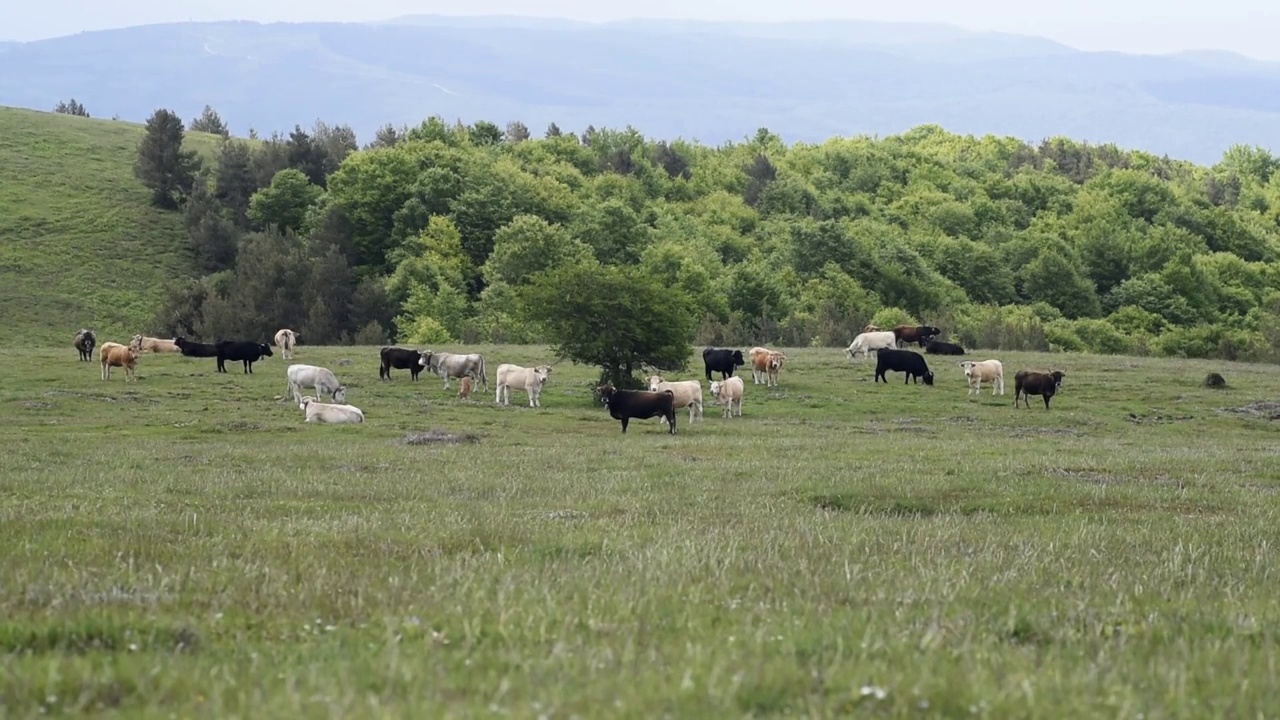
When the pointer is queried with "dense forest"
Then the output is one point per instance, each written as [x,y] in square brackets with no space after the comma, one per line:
[449,233]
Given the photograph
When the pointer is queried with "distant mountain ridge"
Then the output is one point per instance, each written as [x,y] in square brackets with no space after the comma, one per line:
[710,81]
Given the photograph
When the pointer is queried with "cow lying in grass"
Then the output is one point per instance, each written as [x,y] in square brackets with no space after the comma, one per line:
[155,345]
[318,412]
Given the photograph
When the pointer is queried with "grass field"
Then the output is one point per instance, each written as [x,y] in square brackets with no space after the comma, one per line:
[80,245]
[186,546]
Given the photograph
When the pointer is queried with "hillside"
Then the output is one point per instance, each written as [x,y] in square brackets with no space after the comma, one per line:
[698,80]
[79,243]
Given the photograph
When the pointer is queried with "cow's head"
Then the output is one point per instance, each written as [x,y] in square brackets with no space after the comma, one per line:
[606,393]
[540,374]
[775,360]
[653,381]
[737,358]
[424,358]
[136,342]
[1057,376]
[265,348]
[968,367]
[340,395]
[928,377]
[715,387]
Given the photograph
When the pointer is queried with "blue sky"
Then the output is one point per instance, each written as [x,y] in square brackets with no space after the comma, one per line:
[1147,26]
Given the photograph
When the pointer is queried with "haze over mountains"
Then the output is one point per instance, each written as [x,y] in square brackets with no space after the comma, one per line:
[709,81]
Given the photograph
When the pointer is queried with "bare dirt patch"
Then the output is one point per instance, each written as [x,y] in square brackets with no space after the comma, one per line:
[1092,477]
[439,437]
[1268,410]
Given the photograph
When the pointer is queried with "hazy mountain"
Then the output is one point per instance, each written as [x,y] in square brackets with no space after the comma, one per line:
[700,80]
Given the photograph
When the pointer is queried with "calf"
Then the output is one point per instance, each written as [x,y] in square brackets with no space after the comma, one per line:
[721,360]
[116,355]
[242,350]
[84,342]
[914,334]
[990,370]
[464,389]
[319,412]
[728,392]
[286,340]
[322,380]
[1027,383]
[400,359]
[910,363]
[937,347]
[640,404]
[688,393]
[530,380]
[195,349]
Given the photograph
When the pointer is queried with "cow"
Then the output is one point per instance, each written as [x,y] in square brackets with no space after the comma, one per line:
[286,340]
[155,345]
[195,349]
[400,359]
[318,412]
[113,354]
[728,392]
[871,328]
[765,364]
[990,370]
[866,342]
[640,404]
[911,364]
[243,350]
[530,380]
[464,389]
[84,342]
[454,365]
[322,380]
[1027,383]
[688,393]
[906,334]
[937,347]
[721,360]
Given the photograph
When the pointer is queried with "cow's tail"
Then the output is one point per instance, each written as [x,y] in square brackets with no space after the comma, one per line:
[484,377]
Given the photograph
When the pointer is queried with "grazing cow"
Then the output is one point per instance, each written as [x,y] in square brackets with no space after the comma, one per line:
[914,334]
[322,380]
[721,360]
[116,355]
[286,340]
[84,342]
[911,364]
[1027,383]
[195,349]
[640,404]
[866,342]
[155,345]
[728,392]
[332,414]
[454,365]
[687,393]
[990,370]
[400,359]
[242,350]
[464,389]
[530,380]
[937,347]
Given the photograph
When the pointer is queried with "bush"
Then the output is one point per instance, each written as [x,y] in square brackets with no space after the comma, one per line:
[1101,337]
[1062,337]
[1011,327]
[890,317]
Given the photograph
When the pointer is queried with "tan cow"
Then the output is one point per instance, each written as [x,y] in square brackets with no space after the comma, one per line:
[154,345]
[113,354]
[286,340]
[729,392]
[530,380]
[688,393]
[765,364]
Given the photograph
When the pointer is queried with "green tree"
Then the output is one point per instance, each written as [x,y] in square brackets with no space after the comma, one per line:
[163,165]
[619,319]
[234,181]
[71,107]
[284,203]
[1053,279]
[209,121]
[528,245]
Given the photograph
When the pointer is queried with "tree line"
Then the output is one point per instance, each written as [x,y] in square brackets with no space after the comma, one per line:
[451,233]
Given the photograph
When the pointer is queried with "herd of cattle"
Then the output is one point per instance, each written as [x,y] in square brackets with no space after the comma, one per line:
[661,400]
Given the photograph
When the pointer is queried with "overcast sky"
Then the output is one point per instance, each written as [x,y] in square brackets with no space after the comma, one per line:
[1245,26]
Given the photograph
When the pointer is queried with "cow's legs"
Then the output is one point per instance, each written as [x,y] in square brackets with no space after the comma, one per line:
[624,425]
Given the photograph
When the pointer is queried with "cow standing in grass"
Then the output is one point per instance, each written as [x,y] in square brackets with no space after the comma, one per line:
[84,342]
[640,404]
[1027,383]
[116,355]
[286,340]
[242,350]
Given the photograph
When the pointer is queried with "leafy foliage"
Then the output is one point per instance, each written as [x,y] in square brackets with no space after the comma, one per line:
[163,164]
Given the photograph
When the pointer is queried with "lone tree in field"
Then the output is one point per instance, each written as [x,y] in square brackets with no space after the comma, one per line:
[620,319]
[210,122]
[163,166]
[71,107]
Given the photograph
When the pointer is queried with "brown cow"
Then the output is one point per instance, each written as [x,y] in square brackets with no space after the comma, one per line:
[1027,383]
[116,355]
[919,334]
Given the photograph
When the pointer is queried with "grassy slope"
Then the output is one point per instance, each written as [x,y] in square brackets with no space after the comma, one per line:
[1111,557]
[79,244]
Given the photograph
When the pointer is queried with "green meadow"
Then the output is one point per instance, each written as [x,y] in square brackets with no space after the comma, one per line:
[186,546]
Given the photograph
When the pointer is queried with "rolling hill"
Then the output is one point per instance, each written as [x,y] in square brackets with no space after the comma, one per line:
[80,245]
[700,80]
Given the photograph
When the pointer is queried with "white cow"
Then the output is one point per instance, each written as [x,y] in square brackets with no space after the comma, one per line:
[322,380]
[688,393]
[286,340]
[729,392]
[319,412]
[530,380]
[990,370]
[866,342]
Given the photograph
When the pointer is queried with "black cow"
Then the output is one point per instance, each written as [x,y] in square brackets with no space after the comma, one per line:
[937,347]
[919,334]
[723,361]
[908,362]
[84,343]
[640,404]
[195,349]
[1027,383]
[243,350]
[400,359]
